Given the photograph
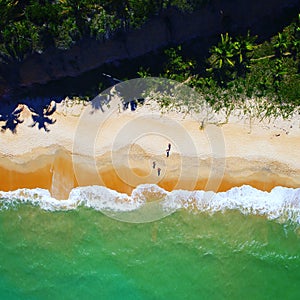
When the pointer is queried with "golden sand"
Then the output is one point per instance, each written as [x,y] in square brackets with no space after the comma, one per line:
[59,174]
[216,158]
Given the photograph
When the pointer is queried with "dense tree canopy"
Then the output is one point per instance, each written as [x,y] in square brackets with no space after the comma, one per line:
[238,70]
[28,26]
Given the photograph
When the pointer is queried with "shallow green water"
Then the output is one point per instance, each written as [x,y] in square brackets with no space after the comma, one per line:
[84,254]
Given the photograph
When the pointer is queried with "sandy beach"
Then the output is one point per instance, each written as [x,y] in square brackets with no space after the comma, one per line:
[116,149]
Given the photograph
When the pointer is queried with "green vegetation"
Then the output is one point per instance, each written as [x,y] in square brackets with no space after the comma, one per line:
[29,26]
[262,80]
[231,57]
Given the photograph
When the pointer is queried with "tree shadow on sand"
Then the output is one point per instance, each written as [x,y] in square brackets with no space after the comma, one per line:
[41,112]
[101,101]
[11,115]
[42,108]
[129,92]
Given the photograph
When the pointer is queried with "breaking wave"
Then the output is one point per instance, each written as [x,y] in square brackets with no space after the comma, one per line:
[152,202]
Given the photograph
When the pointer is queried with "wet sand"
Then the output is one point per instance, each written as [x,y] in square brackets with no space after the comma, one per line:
[58,173]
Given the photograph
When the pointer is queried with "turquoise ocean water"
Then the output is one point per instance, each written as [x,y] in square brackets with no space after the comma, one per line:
[81,253]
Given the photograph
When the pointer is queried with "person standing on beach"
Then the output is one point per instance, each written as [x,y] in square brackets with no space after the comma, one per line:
[168,150]
[153,165]
[158,171]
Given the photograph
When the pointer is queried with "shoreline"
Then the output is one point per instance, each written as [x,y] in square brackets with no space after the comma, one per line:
[59,174]
[121,147]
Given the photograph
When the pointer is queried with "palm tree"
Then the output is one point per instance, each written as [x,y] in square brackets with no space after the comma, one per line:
[222,59]
[223,53]
[244,46]
[280,44]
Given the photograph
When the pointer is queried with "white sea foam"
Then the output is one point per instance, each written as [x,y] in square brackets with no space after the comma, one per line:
[281,203]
